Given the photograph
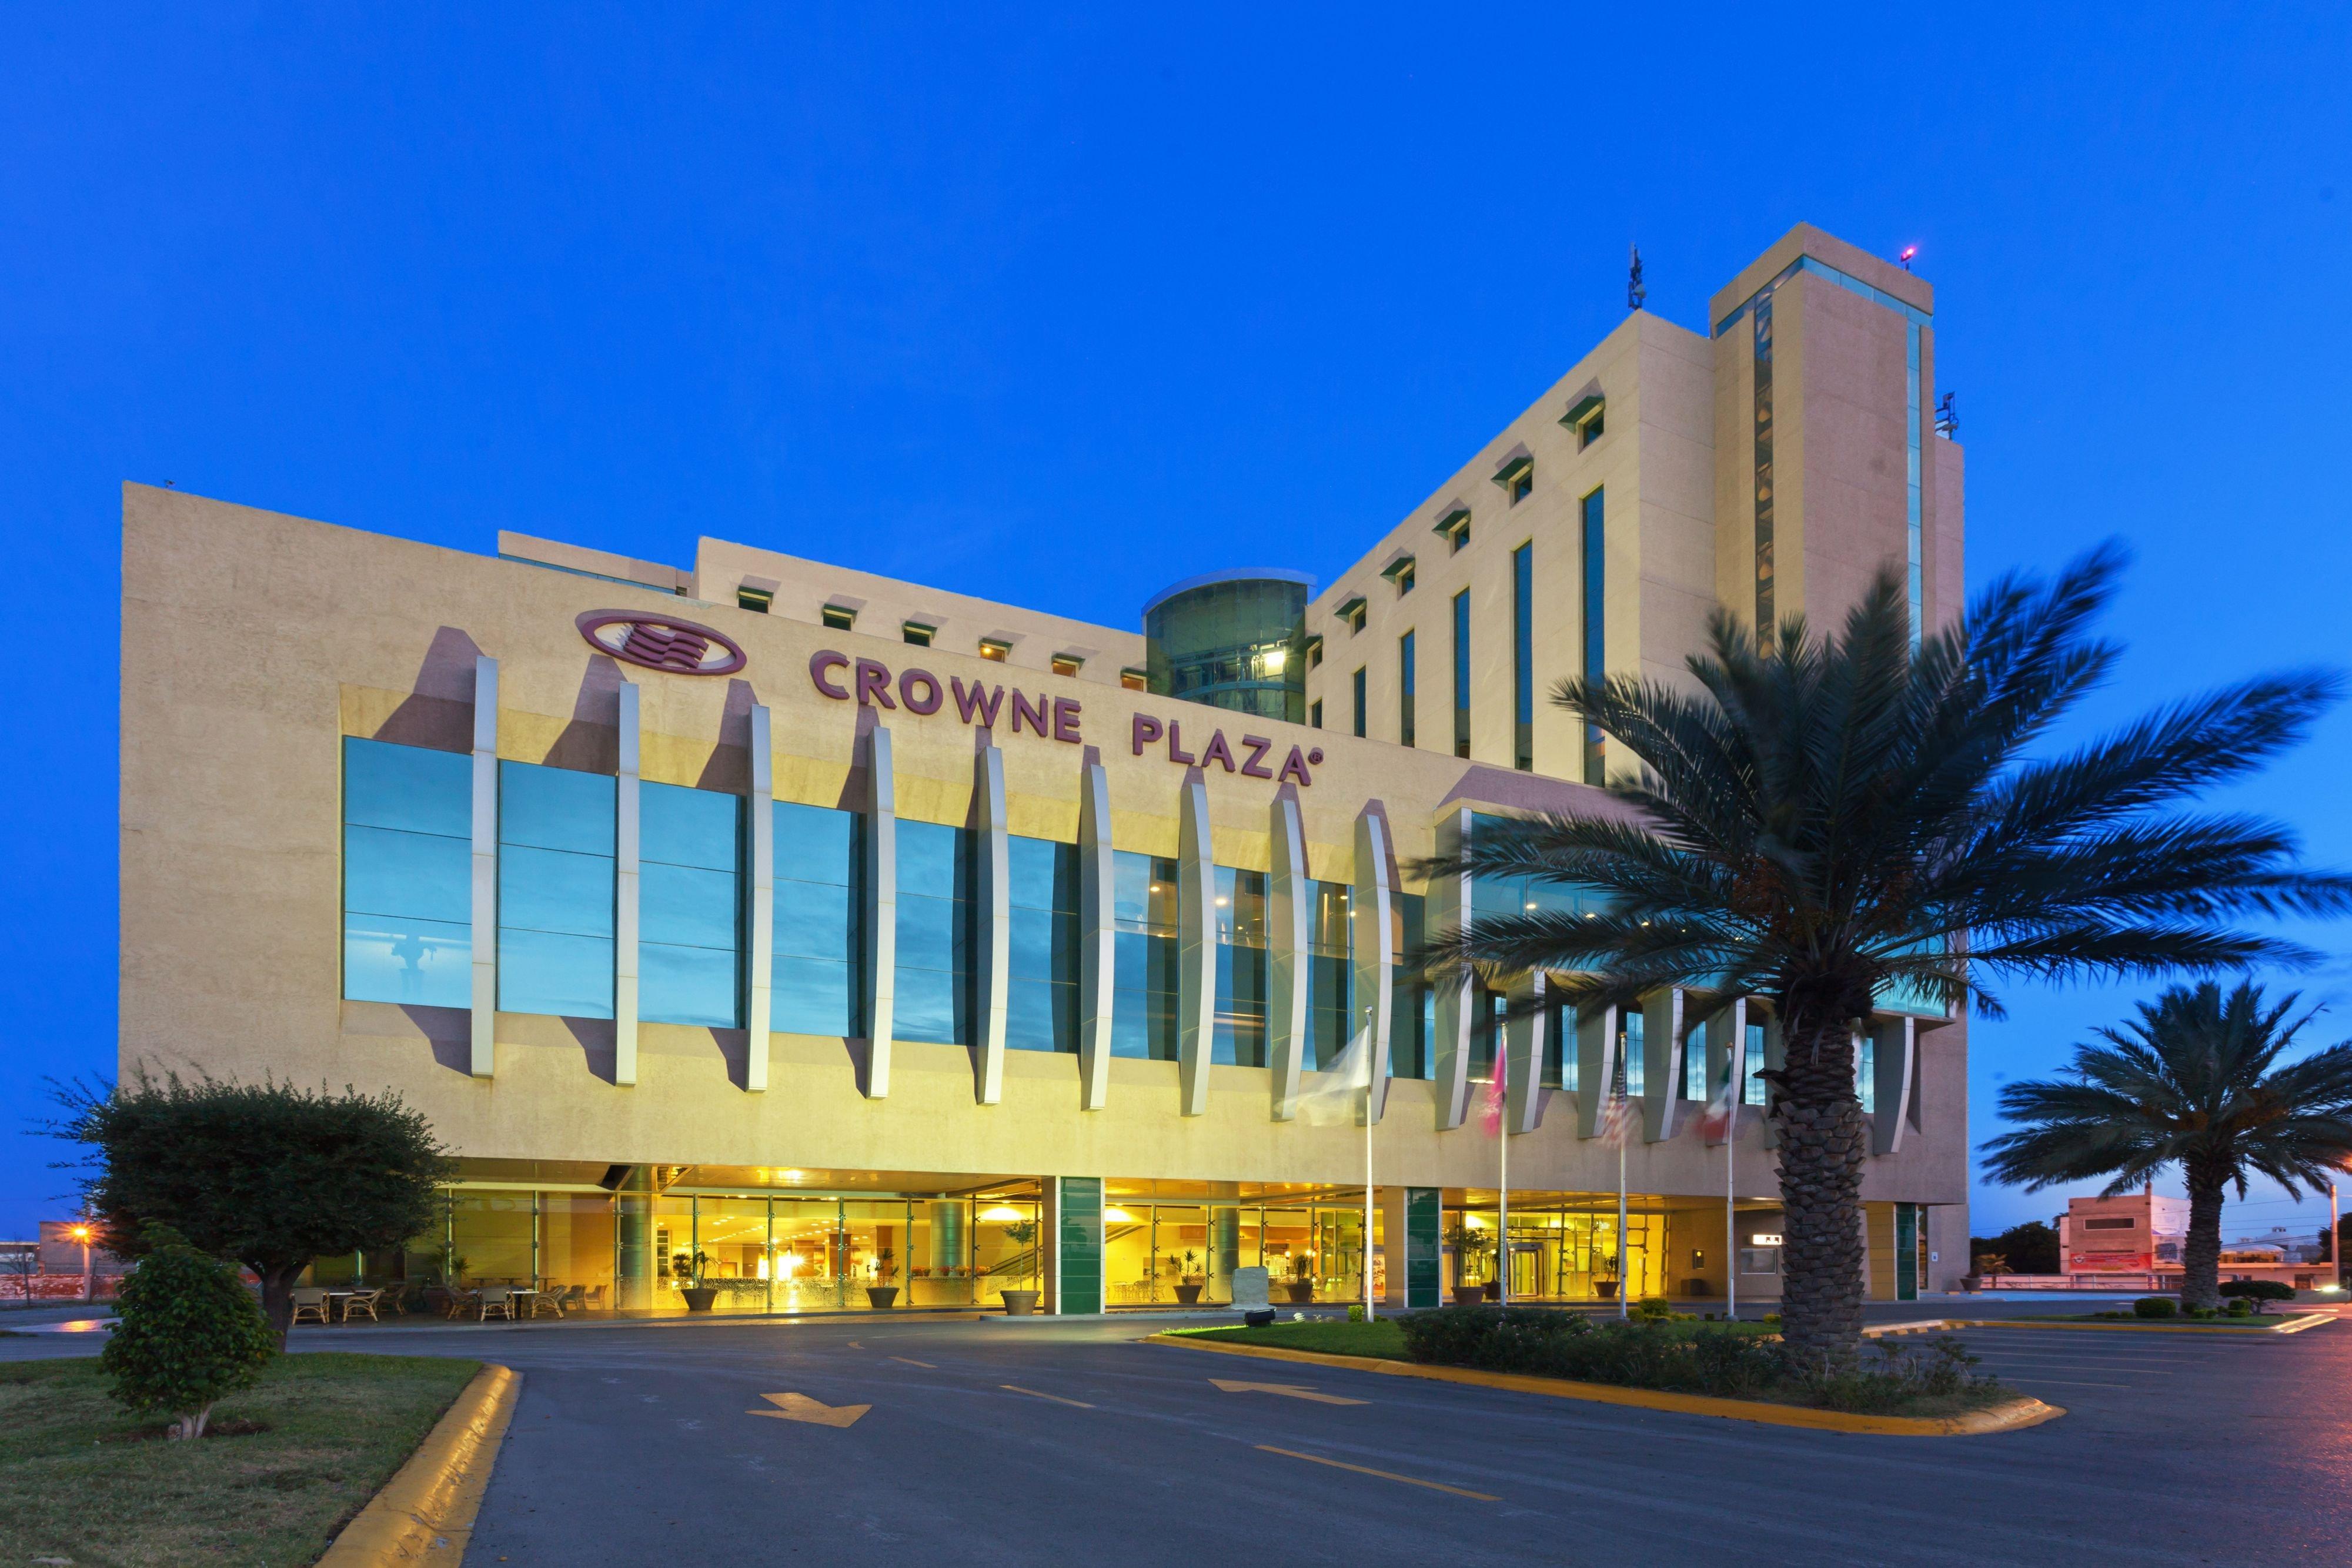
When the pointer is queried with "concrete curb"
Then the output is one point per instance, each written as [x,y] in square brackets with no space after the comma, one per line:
[426,1513]
[2008,1418]
[2153,1325]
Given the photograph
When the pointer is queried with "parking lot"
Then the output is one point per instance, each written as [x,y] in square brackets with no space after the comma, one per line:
[1039,1442]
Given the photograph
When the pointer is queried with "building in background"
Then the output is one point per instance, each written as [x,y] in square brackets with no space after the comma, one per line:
[771,934]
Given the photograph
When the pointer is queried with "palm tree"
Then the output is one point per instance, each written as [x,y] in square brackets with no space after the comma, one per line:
[1821,820]
[2194,1080]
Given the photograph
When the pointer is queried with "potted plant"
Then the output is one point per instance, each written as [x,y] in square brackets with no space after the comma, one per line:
[1302,1279]
[1188,1285]
[1606,1288]
[1020,1303]
[699,1296]
[882,1295]
[1469,1246]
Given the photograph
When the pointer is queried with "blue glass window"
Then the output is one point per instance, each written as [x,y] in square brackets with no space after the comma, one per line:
[408,847]
[1241,968]
[1462,674]
[819,969]
[1865,1073]
[1559,1068]
[1329,992]
[936,921]
[1413,1002]
[555,891]
[1042,1010]
[689,906]
[1596,641]
[1144,979]
[1752,1069]
[1523,658]
[1629,1041]
[1694,1084]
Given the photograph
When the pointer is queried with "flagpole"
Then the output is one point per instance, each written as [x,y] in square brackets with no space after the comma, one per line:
[1730,1240]
[1503,1174]
[1624,1253]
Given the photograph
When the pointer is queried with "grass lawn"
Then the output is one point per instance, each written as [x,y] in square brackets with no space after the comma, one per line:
[80,1479]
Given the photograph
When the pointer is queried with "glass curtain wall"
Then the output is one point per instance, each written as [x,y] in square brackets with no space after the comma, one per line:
[1041,1011]
[1560,1250]
[819,960]
[555,891]
[1185,1253]
[1241,968]
[1143,983]
[1412,1017]
[408,845]
[936,888]
[689,901]
[1329,975]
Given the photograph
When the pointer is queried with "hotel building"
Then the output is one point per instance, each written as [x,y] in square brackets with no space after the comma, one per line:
[768,935]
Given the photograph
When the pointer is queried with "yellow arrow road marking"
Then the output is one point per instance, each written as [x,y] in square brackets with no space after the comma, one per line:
[910,1361]
[800,1407]
[1057,1398]
[1384,1475]
[1291,1390]
[855,1346]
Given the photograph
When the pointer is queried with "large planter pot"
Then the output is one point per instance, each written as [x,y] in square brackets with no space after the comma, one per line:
[1019,1303]
[700,1296]
[1469,1295]
[881,1295]
[1605,1288]
[1301,1291]
[1494,1289]
[1189,1295]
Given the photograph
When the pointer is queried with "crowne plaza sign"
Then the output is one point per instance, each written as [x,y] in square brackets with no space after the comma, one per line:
[869,683]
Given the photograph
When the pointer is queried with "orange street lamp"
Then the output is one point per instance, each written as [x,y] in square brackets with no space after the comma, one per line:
[81,1234]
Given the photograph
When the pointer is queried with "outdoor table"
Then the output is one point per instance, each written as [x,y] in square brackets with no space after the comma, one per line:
[335,1296]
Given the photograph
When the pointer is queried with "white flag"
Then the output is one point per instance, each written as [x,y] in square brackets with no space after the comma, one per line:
[1331,1097]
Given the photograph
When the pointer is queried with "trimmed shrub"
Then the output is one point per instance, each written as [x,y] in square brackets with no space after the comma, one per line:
[2253,1291]
[2239,1306]
[1653,1310]
[2155,1307]
[188,1335]
[1356,1312]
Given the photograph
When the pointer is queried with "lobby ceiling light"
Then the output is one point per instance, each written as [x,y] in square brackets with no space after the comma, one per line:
[1002,1212]
[1118,1217]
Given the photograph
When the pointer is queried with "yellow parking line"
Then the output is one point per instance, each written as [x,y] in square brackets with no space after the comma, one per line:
[910,1361]
[1057,1398]
[1384,1475]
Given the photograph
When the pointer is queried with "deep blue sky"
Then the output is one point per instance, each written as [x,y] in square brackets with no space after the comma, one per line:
[1059,308]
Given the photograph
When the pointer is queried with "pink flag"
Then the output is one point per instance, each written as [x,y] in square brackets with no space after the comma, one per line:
[1498,1089]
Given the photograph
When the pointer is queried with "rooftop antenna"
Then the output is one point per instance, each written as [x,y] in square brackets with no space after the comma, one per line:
[1634,291]
[1908,252]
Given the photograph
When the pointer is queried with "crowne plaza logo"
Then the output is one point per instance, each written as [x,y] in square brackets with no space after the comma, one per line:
[662,643]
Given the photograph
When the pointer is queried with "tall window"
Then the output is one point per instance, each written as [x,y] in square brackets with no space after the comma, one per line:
[1629,1050]
[1143,972]
[1694,1084]
[819,963]
[1404,689]
[1763,362]
[1462,674]
[1042,1013]
[1328,975]
[1865,1073]
[1360,701]
[935,933]
[1751,1068]
[555,891]
[1596,643]
[690,893]
[408,891]
[1241,968]
[1523,658]
[1412,1004]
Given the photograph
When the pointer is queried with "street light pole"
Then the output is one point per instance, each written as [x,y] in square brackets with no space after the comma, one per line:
[81,1234]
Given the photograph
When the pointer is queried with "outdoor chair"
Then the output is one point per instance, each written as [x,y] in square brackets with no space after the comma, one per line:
[498,1299]
[310,1300]
[462,1300]
[364,1301]
[544,1301]
[573,1299]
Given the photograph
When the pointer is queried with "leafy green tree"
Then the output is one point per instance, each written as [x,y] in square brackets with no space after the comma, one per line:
[2195,1082]
[2028,1248]
[1827,821]
[187,1334]
[271,1176]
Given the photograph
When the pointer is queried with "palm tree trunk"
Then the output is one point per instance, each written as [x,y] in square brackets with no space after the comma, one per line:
[278,1298]
[1823,1141]
[2201,1254]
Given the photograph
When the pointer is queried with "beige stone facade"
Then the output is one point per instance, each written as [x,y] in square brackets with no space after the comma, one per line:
[255,643]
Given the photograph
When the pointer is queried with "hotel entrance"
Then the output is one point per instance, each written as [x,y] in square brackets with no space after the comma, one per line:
[1167,1246]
